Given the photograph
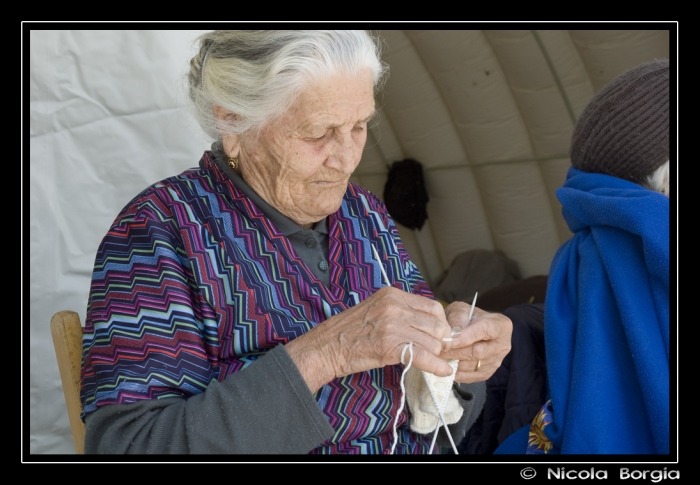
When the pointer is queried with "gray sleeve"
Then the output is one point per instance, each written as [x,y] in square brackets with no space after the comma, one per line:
[472,398]
[265,408]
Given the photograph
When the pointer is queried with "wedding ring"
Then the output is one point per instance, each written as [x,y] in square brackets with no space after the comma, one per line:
[478,364]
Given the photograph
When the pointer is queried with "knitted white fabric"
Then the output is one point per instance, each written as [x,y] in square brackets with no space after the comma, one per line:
[427,394]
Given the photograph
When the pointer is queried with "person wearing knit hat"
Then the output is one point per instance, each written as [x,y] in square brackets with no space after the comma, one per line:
[624,129]
[607,307]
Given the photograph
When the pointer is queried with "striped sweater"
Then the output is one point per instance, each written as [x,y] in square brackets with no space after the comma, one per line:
[192,283]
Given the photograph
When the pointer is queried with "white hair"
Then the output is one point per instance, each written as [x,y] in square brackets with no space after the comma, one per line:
[659,180]
[257,74]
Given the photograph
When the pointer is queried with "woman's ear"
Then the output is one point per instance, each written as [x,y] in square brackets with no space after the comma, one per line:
[230,142]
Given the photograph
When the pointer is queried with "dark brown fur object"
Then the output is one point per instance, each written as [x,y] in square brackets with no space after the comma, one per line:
[405,195]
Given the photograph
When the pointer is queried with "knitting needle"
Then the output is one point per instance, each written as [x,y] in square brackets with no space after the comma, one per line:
[457,332]
[379,262]
[449,435]
[471,312]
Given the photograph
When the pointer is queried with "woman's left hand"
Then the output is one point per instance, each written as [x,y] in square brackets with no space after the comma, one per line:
[482,344]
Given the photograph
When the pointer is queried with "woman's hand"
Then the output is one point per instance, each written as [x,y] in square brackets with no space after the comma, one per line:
[371,335]
[482,344]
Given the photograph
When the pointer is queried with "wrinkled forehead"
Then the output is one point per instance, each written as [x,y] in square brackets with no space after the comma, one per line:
[334,101]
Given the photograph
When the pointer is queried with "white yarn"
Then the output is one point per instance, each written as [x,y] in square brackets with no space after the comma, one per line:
[409,347]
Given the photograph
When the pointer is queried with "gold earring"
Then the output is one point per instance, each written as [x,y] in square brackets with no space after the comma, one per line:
[233,162]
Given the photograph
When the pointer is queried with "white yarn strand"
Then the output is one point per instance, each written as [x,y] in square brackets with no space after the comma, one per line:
[409,347]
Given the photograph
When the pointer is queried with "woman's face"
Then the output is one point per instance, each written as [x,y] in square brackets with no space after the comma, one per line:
[301,163]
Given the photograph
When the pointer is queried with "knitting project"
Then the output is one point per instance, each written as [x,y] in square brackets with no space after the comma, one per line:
[428,396]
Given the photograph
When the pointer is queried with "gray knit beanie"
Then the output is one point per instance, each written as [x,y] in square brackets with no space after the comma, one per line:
[624,130]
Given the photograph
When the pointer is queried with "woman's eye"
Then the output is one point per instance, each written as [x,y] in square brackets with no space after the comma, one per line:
[315,139]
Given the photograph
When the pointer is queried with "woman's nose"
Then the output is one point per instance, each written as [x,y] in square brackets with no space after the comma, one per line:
[344,153]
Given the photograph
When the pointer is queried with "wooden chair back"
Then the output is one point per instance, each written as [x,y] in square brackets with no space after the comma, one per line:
[67,334]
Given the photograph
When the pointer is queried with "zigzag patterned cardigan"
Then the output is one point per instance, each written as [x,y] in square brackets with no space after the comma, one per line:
[192,283]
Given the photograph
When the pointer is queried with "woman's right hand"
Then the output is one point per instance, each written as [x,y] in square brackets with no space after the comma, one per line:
[371,335]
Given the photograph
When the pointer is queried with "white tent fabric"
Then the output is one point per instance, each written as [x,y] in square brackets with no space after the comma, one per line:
[489,114]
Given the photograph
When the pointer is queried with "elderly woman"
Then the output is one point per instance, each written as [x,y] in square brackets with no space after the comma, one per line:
[238,307]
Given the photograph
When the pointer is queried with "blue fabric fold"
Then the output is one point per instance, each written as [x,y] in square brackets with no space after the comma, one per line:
[607,321]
